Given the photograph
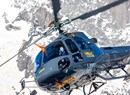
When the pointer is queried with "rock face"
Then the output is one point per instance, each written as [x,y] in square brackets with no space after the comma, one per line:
[121,14]
[43,17]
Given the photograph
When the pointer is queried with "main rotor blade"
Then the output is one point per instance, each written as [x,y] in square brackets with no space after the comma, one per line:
[49,31]
[56,8]
[101,9]
[20,52]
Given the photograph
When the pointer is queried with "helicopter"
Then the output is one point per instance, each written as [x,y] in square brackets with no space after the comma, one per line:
[73,60]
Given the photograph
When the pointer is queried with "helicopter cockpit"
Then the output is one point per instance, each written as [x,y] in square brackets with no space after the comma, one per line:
[62,57]
[65,45]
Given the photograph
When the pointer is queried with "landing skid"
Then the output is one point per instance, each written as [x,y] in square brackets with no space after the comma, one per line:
[112,76]
[93,88]
[23,86]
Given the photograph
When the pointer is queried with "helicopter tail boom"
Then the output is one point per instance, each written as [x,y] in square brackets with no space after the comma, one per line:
[118,59]
[117,53]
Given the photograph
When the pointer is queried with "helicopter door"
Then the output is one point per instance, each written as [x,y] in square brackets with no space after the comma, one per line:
[77,57]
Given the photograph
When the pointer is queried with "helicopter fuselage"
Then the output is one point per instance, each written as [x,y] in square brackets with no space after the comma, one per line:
[76,67]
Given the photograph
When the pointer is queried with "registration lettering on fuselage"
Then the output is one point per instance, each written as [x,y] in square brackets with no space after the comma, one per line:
[89,54]
[67,81]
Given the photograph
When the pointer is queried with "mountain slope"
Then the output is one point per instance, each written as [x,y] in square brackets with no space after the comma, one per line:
[22,18]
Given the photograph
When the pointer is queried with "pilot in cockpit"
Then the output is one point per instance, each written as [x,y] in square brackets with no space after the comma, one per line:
[62,51]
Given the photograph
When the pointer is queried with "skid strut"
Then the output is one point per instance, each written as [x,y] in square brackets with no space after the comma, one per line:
[93,88]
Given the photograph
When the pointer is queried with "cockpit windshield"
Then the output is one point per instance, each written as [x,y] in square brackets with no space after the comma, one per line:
[38,60]
[71,45]
[53,50]
[81,43]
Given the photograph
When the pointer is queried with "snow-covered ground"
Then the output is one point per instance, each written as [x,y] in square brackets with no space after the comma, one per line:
[11,41]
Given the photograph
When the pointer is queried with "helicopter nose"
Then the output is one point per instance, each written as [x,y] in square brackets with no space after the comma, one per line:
[49,78]
[44,75]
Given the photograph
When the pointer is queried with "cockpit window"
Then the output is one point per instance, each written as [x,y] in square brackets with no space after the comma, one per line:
[38,60]
[54,50]
[71,45]
[81,43]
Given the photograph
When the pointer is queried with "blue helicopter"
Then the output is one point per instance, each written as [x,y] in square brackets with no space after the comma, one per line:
[73,60]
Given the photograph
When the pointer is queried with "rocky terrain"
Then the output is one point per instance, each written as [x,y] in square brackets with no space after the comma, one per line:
[111,28]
